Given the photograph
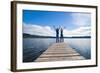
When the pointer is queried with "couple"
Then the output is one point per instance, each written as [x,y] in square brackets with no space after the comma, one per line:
[59,38]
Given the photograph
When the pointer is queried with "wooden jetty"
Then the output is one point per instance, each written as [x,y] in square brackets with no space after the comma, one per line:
[59,52]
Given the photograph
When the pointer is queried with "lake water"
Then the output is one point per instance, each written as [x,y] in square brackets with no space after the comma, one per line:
[34,47]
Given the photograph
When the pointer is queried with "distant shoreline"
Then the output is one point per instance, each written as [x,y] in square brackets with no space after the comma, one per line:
[55,37]
[38,36]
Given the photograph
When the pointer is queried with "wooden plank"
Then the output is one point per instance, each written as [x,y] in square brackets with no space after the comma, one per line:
[59,54]
[46,59]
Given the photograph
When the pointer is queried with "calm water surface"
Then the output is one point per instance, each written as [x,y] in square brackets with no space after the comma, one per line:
[34,47]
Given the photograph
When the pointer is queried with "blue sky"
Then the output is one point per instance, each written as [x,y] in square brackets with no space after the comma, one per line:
[36,21]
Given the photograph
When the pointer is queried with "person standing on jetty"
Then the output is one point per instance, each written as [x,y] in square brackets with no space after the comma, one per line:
[57,35]
[61,35]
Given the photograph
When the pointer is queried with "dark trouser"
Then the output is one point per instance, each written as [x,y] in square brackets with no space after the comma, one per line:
[57,39]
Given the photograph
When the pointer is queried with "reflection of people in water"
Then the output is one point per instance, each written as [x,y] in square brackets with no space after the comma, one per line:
[61,35]
[57,35]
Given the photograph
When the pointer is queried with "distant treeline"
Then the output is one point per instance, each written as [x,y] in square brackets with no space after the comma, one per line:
[25,35]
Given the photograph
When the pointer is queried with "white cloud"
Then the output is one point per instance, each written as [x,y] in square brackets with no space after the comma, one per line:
[80,19]
[38,30]
[48,31]
[82,31]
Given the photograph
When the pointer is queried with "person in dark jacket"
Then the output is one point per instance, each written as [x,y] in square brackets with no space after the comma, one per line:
[61,35]
[57,35]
